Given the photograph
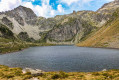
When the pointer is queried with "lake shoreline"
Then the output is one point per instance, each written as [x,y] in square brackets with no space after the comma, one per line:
[47,44]
[28,46]
[66,58]
[40,73]
[99,47]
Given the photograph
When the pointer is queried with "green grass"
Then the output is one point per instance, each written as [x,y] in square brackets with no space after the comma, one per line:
[9,45]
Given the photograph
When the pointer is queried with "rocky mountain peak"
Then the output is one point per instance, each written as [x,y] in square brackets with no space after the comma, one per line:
[116,0]
[109,7]
[25,12]
[21,14]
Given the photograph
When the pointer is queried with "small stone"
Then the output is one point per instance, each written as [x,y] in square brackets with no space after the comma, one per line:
[34,79]
[104,70]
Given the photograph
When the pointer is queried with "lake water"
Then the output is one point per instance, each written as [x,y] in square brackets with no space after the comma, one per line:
[65,58]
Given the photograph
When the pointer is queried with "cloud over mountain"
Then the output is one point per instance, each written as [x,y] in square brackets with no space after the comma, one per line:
[50,8]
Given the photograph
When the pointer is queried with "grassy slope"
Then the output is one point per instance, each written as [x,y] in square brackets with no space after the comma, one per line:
[106,36]
[7,73]
[8,45]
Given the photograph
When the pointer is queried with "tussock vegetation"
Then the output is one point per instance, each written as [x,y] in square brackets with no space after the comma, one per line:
[7,73]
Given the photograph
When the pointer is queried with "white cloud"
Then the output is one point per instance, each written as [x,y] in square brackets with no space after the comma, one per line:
[28,4]
[86,1]
[44,10]
[33,0]
[9,4]
[60,8]
[69,2]
[109,0]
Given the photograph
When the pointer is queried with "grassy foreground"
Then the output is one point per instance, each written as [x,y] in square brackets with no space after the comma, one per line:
[7,73]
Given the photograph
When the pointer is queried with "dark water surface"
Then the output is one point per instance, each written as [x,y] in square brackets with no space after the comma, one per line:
[65,58]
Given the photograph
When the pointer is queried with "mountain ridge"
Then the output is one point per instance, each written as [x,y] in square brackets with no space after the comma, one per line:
[62,29]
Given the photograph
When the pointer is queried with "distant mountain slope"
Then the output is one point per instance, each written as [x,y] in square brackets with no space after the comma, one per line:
[106,36]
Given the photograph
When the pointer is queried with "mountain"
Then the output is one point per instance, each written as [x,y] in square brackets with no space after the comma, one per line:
[73,28]
[21,20]
[108,34]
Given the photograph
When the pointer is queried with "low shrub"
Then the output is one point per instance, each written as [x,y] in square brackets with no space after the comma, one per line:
[95,74]
[55,76]
[61,74]
[9,76]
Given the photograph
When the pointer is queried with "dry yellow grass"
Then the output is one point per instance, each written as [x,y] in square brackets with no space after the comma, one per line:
[7,73]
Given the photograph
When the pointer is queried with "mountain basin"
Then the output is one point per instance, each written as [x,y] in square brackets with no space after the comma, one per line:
[63,58]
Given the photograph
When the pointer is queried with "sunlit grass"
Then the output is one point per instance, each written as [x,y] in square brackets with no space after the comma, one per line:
[7,73]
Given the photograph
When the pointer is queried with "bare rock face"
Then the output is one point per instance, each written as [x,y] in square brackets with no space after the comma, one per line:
[109,7]
[21,14]
[6,21]
[116,0]
[64,32]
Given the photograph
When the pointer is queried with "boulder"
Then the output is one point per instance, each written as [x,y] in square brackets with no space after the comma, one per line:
[34,72]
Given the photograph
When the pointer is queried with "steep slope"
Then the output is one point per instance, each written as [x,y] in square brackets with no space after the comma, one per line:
[81,23]
[109,8]
[20,20]
[106,36]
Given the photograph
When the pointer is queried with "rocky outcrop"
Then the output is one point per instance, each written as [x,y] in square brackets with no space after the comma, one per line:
[109,8]
[6,32]
[21,14]
[7,22]
[34,72]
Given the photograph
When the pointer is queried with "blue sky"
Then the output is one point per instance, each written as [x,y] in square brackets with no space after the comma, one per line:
[51,8]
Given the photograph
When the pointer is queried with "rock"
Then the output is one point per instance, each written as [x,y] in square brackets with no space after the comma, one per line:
[7,22]
[34,72]
[104,70]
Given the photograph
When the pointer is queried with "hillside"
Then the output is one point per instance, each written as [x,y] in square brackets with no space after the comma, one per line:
[106,36]
[88,28]
[27,26]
